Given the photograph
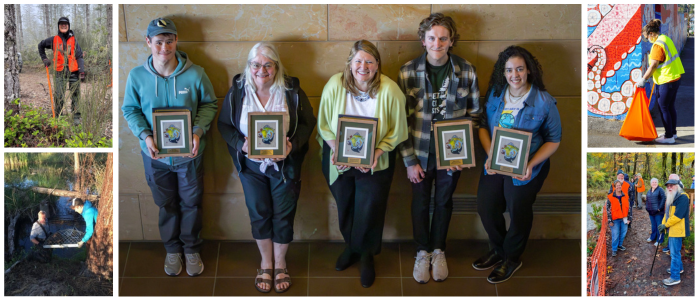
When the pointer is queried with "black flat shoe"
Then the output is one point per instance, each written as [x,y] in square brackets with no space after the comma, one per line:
[487,261]
[504,271]
[346,259]
[367,270]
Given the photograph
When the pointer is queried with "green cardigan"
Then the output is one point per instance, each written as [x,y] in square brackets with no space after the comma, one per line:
[391,113]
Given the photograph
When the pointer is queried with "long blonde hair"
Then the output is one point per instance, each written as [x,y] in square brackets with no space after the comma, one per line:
[349,80]
[270,51]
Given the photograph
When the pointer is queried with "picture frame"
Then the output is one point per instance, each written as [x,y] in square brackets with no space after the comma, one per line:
[355,139]
[454,143]
[267,135]
[172,132]
[510,151]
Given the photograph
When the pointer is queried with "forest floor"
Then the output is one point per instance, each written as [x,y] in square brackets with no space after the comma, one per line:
[34,92]
[60,277]
[629,270]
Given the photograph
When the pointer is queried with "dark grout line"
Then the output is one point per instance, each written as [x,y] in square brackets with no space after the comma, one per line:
[216,271]
[400,270]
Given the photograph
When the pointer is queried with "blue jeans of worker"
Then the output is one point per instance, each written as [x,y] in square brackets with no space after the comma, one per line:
[655,222]
[666,97]
[619,231]
[676,264]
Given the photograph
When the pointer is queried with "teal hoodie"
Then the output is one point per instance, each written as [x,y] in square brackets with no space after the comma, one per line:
[188,86]
[90,216]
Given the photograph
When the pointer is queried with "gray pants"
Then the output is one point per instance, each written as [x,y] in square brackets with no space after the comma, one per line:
[177,190]
[60,79]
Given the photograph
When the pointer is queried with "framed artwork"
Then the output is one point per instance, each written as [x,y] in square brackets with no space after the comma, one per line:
[355,139]
[172,132]
[510,150]
[266,135]
[454,142]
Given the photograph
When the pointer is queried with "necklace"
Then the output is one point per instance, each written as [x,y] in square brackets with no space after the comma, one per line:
[362,97]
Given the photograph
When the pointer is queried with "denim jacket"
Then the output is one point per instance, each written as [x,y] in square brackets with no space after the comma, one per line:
[539,116]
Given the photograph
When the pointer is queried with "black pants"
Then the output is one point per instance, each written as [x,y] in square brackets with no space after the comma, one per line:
[177,190]
[496,194]
[60,79]
[666,95]
[432,235]
[271,202]
[361,199]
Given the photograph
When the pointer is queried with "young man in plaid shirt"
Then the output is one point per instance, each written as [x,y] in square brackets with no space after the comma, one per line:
[438,85]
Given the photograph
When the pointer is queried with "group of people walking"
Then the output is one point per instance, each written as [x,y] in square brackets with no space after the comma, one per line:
[437,85]
[668,210]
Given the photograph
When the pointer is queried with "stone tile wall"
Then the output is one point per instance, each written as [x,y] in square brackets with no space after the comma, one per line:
[314,41]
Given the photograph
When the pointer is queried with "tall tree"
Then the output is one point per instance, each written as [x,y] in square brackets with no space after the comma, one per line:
[20,37]
[109,27]
[663,166]
[674,168]
[99,258]
[87,18]
[76,171]
[648,166]
[634,170]
[47,26]
[11,64]
[681,168]
[74,13]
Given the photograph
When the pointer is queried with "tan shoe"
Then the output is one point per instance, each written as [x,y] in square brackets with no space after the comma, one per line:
[439,265]
[421,269]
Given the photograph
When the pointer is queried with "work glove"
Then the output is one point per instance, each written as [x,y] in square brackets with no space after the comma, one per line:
[82,76]
[661,227]
[80,244]
[47,62]
[640,84]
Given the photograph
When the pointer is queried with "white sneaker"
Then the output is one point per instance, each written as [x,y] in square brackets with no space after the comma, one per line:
[439,265]
[664,140]
[649,240]
[656,244]
[675,136]
[421,269]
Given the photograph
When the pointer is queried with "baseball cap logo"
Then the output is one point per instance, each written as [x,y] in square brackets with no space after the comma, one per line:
[161,23]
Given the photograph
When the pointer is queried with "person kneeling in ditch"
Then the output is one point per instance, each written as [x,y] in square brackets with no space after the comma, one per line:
[677,221]
[89,213]
[68,64]
[619,216]
[38,235]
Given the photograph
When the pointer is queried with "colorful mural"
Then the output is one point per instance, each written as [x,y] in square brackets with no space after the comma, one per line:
[617,54]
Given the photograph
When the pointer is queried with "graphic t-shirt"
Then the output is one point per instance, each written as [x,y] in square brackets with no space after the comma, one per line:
[440,82]
[512,108]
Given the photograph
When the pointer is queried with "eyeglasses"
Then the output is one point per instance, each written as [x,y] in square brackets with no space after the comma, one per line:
[257,66]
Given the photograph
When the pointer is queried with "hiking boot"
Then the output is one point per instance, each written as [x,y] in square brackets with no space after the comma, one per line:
[621,248]
[669,271]
[421,268]
[439,264]
[173,264]
[194,264]
[614,254]
[665,140]
[669,281]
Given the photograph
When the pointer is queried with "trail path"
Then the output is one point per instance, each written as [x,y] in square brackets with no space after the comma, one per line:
[630,269]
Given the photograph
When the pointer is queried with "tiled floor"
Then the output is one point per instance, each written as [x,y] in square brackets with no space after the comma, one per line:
[550,268]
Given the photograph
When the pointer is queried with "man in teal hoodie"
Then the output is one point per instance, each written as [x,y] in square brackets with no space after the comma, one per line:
[89,213]
[170,79]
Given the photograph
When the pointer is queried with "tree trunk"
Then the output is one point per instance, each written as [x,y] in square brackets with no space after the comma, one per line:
[634,170]
[626,164]
[87,19]
[11,64]
[109,27]
[11,228]
[648,166]
[74,14]
[674,170]
[680,165]
[64,193]
[76,172]
[663,166]
[20,33]
[99,258]
[47,24]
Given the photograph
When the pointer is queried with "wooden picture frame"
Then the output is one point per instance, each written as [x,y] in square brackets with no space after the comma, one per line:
[510,151]
[262,124]
[355,139]
[457,137]
[172,132]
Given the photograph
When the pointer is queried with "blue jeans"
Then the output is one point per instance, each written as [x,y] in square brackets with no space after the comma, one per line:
[619,231]
[655,222]
[676,264]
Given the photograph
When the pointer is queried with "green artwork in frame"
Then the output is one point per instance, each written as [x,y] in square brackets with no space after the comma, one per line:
[355,138]
[267,135]
[172,132]
[454,142]
[510,150]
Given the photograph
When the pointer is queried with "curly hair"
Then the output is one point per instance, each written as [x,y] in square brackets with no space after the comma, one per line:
[498,79]
[653,26]
[436,19]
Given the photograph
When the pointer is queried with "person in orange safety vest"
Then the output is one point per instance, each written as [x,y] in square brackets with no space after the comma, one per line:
[619,215]
[67,63]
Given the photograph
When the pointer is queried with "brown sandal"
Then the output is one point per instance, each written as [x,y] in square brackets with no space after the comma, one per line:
[283,280]
[263,280]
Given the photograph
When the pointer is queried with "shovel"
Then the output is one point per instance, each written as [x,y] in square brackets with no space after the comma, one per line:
[51,94]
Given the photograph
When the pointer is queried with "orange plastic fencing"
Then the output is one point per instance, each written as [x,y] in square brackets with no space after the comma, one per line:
[598,267]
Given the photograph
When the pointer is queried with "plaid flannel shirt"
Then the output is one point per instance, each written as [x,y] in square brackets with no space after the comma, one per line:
[462,98]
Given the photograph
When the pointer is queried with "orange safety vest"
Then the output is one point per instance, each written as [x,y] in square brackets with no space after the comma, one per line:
[641,186]
[618,212]
[59,59]
[625,187]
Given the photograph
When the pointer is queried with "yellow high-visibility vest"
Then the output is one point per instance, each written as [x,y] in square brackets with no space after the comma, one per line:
[672,68]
